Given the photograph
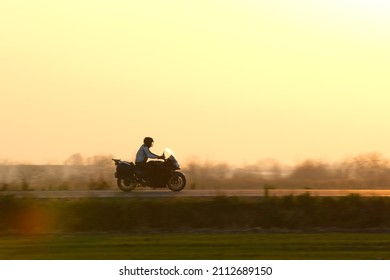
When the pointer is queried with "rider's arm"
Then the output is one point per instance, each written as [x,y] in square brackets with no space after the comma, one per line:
[149,154]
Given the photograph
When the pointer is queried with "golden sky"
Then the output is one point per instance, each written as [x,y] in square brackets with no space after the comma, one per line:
[215,80]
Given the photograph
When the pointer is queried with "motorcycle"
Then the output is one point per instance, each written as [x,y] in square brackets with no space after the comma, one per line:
[164,174]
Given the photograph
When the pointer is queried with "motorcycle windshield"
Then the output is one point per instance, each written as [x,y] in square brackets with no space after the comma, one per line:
[169,154]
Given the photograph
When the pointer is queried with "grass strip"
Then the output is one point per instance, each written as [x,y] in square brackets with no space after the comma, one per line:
[215,246]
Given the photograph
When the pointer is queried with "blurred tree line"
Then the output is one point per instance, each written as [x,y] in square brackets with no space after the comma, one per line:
[76,173]
[363,171]
[370,170]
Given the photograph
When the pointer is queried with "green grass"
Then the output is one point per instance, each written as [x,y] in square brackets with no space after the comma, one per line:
[210,246]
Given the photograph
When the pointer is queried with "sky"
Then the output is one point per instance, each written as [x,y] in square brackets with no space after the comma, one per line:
[225,81]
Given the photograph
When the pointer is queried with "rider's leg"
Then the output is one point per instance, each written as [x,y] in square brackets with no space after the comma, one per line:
[143,167]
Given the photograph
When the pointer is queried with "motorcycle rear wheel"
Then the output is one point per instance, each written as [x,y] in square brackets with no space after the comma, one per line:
[177,182]
[126,184]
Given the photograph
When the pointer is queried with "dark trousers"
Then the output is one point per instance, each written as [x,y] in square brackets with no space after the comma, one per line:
[145,168]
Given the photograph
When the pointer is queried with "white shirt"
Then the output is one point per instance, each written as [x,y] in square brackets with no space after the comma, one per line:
[143,154]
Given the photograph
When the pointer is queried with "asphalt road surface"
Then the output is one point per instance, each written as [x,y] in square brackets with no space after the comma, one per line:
[192,193]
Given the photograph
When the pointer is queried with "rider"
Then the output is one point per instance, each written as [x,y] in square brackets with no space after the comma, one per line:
[144,154]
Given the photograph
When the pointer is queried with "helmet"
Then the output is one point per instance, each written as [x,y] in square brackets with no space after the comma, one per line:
[148,141]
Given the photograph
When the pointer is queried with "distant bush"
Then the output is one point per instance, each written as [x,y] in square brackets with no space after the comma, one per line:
[98,184]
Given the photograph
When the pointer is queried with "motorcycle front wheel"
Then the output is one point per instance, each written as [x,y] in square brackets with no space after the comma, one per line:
[177,182]
[127,184]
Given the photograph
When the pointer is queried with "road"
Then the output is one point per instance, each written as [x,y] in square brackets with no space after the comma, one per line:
[191,193]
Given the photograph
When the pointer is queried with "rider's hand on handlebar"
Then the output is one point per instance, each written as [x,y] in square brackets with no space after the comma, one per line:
[161,157]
